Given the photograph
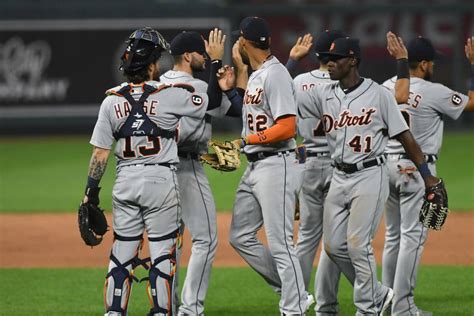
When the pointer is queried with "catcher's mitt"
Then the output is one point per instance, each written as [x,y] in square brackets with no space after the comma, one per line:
[434,211]
[226,156]
[92,223]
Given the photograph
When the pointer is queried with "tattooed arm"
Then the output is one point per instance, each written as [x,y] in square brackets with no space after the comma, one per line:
[97,167]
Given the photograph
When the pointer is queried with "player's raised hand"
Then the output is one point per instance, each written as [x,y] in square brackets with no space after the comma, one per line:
[469,49]
[395,46]
[301,47]
[215,44]
[226,78]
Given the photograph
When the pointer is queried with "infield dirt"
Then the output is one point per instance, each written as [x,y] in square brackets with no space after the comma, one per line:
[53,241]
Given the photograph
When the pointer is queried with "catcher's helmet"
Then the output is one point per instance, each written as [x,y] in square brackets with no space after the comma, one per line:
[144,46]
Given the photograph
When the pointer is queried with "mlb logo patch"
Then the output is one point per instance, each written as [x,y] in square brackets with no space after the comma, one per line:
[117,292]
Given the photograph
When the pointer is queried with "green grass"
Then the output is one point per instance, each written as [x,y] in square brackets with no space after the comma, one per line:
[232,291]
[48,175]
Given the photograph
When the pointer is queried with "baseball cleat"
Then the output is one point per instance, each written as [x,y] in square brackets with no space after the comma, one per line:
[309,301]
[387,301]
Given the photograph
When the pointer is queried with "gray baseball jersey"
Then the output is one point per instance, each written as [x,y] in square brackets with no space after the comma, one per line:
[270,94]
[267,190]
[317,173]
[163,108]
[198,208]
[194,134]
[311,129]
[145,194]
[427,104]
[357,124]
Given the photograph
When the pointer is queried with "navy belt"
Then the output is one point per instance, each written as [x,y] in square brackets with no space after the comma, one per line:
[353,167]
[190,155]
[164,164]
[265,154]
[430,158]
[310,154]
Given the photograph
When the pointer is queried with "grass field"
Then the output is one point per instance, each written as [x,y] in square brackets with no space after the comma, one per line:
[49,175]
[233,291]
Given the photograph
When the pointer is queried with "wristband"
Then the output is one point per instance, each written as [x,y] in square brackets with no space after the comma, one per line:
[291,64]
[403,72]
[424,170]
[232,93]
[92,183]
[471,87]
[244,142]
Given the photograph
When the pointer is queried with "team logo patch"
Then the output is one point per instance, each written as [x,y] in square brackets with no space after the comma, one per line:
[197,100]
[456,99]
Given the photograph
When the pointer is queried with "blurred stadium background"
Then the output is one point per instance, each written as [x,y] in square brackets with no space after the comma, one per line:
[58,57]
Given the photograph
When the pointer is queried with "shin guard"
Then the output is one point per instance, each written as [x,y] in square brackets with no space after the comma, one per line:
[118,284]
[161,274]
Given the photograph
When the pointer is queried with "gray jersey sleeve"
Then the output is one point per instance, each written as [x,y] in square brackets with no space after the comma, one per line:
[280,93]
[447,101]
[309,103]
[195,104]
[391,114]
[103,130]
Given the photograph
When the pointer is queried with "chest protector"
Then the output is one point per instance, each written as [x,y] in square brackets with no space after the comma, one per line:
[138,123]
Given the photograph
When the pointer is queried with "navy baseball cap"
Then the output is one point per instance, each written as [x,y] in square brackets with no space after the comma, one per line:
[254,29]
[343,47]
[324,40]
[421,48]
[187,42]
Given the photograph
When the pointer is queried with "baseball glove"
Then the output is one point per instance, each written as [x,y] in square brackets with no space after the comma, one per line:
[92,223]
[435,207]
[226,156]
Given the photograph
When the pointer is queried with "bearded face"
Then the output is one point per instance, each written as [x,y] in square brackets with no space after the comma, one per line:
[243,54]
[198,62]
[429,71]
[156,72]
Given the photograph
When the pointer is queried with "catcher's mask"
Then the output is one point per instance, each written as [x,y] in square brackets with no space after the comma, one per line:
[144,47]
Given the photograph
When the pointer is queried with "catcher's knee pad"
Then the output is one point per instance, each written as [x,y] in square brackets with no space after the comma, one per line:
[161,274]
[118,283]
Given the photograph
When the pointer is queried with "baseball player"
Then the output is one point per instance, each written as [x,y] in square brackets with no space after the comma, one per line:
[141,116]
[358,116]
[268,188]
[197,204]
[405,236]
[316,178]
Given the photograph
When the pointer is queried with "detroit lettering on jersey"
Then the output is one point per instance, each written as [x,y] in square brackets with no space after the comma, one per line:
[311,129]
[164,108]
[253,98]
[427,104]
[358,123]
[270,94]
[194,134]
[346,118]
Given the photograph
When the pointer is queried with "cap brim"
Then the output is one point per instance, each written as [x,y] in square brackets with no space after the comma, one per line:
[236,33]
[329,54]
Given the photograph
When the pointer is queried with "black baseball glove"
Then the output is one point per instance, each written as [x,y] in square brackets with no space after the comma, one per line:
[434,211]
[91,219]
